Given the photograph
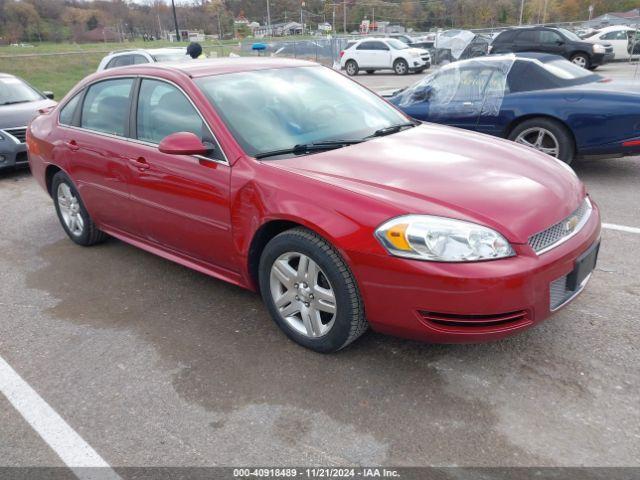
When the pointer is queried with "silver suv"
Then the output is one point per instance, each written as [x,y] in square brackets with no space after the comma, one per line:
[122,58]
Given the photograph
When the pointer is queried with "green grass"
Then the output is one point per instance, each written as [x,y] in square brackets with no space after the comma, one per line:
[59,73]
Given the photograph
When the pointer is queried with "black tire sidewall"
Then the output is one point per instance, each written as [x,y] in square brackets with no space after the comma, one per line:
[399,61]
[339,333]
[565,140]
[85,238]
[356,68]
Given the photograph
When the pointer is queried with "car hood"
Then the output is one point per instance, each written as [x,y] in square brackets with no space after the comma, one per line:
[437,170]
[20,114]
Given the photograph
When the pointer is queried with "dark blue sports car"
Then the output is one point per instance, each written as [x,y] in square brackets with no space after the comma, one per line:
[539,100]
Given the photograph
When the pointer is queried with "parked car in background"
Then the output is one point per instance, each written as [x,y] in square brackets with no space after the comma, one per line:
[542,101]
[19,103]
[454,45]
[556,41]
[616,36]
[371,54]
[124,58]
[287,178]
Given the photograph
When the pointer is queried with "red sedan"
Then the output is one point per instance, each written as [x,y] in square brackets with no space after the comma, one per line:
[290,179]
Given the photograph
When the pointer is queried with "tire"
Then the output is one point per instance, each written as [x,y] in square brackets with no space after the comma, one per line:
[527,131]
[370,72]
[352,68]
[401,67]
[581,59]
[278,268]
[73,215]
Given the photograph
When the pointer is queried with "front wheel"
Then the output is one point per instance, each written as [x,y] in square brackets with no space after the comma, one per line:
[581,59]
[310,291]
[401,67]
[547,136]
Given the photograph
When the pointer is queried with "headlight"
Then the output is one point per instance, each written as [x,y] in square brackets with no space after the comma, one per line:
[597,48]
[439,239]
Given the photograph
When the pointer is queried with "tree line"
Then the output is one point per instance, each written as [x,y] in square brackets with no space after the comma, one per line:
[69,20]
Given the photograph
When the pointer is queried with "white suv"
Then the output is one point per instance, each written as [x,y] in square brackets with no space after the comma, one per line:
[122,58]
[371,54]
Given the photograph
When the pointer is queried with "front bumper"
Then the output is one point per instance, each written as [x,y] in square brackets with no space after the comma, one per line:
[417,63]
[598,59]
[466,302]
[13,154]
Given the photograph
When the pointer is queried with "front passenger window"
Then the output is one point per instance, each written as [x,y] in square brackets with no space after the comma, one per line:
[163,110]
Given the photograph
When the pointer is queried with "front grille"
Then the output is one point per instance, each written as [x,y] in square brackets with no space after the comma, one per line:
[19,133]
[457,322]
[561,231]
[608,49]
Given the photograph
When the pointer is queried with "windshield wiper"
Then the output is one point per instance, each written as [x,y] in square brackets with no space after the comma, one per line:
[309,147]
[392,129]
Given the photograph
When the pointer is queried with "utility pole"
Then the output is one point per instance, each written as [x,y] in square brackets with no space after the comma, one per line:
[333,24]
[344,15]
[544,12]
[373,17]
[521,11]
[301,18]
[175,20]
[268,20]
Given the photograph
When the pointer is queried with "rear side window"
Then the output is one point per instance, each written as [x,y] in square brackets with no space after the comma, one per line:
[124,60]
[106,106]
[528,36]
[68,111]
[505,37]
[549,38]
[367,46]
[163,110]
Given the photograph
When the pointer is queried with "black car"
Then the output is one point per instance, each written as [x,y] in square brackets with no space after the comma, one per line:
[557,41]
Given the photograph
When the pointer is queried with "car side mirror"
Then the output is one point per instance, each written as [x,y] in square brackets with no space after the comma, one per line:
[48,94]
[183,143]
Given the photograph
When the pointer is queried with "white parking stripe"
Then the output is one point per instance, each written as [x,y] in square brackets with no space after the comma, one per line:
[621,228]
[63,440]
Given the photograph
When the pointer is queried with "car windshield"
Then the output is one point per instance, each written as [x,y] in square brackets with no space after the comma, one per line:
[13,90]
[279,109]
[178,56]
[566,70]
[396,44]
[570,35]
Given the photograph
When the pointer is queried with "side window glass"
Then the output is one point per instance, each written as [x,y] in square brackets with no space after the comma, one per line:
[139,59]
[366,46]
[549,38]
[68,111]
[163,110]
[380,46]
[528,36]
[106,106]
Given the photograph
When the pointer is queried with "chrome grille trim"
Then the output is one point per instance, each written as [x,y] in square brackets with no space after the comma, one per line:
[559,233]
[19,134]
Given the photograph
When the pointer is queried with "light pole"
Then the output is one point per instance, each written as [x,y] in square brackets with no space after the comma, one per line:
[344,14]
[521,11]
[175,20]
[268,20]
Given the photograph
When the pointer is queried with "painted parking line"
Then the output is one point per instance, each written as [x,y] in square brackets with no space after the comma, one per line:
[63,440]
[621,228]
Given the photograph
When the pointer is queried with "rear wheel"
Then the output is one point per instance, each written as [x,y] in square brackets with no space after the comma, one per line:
[581,59]
[310,291]
[401,67]
[72,213]
[547,136]
[351,67]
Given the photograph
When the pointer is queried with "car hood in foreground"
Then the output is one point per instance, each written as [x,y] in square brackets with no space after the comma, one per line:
[432,169]
[20,114]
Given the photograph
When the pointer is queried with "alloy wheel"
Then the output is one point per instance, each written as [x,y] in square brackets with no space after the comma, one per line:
[580,61]
[302,294]
[401,68]
[70,210]
[541,139]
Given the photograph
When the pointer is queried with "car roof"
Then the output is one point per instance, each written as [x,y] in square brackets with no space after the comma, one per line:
[613,28]
[213,66]
[150,51]
[7,75]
